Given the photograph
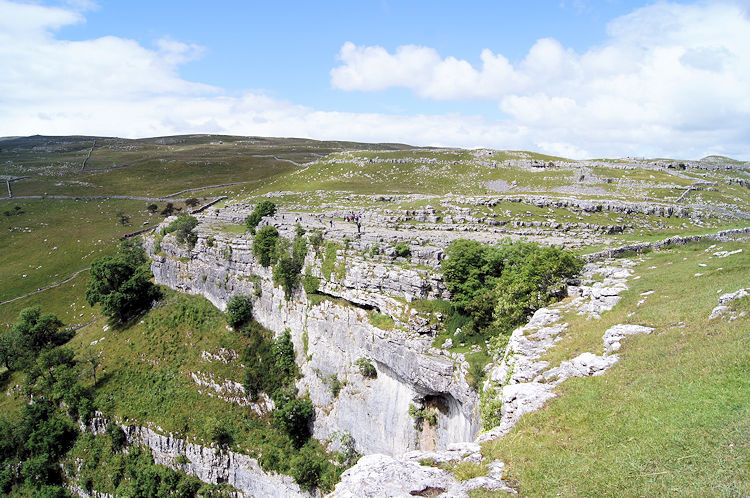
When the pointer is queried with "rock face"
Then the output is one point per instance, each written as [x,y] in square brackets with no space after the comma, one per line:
[385,476]
[331,336]
[208,464]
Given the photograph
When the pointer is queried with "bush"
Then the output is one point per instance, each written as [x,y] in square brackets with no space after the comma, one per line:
[310,283]
[183,229]
[366,368]
[262,209]
[293,415]
[264,245]
[499,286]
[306,469]
[287,274]
[239,311]
[220,433]
[117,436]
[191,202]
[402,250]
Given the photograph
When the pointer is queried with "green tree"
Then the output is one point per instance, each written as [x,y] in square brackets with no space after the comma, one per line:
[191,202]
[152,208]
[262,209]
[168,209]
[533,280]
[183,229]
[283,353]
[264,245]
[121,283]
[293,415]
[35,330]
[239,311]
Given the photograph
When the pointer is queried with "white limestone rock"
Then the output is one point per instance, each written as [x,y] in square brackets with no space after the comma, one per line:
[583,365]
[615,334]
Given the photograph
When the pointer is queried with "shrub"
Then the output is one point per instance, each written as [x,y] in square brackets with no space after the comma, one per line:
[117,436]
[366,368]
[421,415]
[283,353]
[316,240]
[402,250]
[499,286]
[191,202]
[310,283]
[287,273]
[262,209]
[219,433]
[168,209]
[239,311]
[306,469]
[293,415]
[183,229]
[264,245]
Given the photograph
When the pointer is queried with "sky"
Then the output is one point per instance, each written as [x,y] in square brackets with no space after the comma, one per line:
[576,78]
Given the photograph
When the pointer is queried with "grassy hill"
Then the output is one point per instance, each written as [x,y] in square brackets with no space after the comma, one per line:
[670,418]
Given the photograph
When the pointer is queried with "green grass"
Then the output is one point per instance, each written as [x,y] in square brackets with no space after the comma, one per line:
[672,417]
[54,238]
[233,228]
[381,321]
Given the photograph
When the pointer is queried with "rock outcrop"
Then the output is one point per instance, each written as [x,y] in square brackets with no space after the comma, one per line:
[330,336]
[209,464]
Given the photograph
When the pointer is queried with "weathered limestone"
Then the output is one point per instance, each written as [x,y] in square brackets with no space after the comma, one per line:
[330,337]
[383,476]
[614,335]
[208,464]
[724,301]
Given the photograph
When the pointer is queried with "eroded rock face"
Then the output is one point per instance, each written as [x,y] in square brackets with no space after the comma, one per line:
[331,336]
[385,476]
[207,463]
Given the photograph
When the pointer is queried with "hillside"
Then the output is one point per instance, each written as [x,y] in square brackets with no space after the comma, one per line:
[409,388]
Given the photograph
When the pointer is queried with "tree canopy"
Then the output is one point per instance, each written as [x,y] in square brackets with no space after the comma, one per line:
[262,209]
[121,284]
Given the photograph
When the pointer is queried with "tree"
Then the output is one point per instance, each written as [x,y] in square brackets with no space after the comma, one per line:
[9,349]
[239,311]
[168,209]
[121,283]
[152,208]
[191,202]
[34,330]
[293,415]
[262,209]
[264,245]
[183,229]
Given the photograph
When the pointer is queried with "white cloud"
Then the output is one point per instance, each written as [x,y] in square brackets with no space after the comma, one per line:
[667,72]
[680,91]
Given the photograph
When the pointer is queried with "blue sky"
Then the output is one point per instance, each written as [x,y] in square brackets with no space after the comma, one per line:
[575,78]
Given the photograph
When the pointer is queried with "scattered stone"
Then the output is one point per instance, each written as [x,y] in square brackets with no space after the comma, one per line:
[614,335]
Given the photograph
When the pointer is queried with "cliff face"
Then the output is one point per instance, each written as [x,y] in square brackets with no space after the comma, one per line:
[207,463]
[331,336]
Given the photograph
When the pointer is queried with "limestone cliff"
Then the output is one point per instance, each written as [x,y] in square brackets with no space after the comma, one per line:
[331,336]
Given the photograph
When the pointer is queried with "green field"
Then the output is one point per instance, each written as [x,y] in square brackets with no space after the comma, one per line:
[672,417]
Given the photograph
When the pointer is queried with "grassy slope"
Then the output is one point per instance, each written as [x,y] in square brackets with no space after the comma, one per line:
[79,230]
[672,417]
[145,371]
